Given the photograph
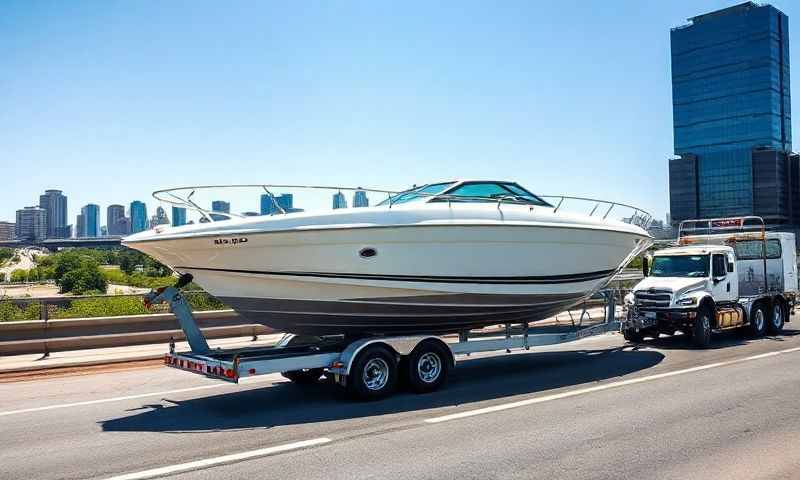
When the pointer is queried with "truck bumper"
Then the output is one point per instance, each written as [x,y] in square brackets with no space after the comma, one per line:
[643,319]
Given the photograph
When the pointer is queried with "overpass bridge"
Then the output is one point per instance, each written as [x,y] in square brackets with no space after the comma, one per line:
[57,243]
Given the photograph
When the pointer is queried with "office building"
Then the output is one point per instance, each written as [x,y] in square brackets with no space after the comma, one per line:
[160,218]
[360,199]
[80,226]
[138,216]
[222,207]
[7,231]
[55,204]
[115,220]
[90,216]
[339,201]
[178,216]
[31,224]
[270,207]
[732,116]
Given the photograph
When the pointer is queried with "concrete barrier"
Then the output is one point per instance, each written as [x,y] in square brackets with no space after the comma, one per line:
[39,336]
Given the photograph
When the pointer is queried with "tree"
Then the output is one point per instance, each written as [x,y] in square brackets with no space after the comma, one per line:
[84,279]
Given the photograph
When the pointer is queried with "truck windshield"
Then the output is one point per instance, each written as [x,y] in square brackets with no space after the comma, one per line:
[680,266]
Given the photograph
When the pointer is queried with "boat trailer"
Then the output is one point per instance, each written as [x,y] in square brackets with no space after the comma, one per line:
[368,367]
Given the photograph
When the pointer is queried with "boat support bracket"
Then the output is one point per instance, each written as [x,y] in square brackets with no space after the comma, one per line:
[182,311]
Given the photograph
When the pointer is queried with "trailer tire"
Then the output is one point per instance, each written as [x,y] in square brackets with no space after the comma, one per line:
[306,376]
[777,319]
[758,322]
[633,335]
[374,373]
[701,329]
[427,367]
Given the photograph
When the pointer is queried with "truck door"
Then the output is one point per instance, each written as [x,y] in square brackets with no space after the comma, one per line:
[721,289]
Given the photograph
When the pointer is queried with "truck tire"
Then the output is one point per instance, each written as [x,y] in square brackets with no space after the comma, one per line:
[306,376]
[427,367]
[777,319]
[373,375]
[633,336]
[758,321]
[701,330]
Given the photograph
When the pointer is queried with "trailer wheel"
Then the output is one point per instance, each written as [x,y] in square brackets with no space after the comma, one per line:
[373,374]
[428,366]
[758,322]
[633,336]
[306,376]
[777,319]
[701,330]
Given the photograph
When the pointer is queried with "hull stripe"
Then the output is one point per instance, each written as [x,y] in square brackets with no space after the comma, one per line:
[552,279]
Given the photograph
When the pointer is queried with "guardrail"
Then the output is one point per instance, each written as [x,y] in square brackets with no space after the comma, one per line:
[45,336]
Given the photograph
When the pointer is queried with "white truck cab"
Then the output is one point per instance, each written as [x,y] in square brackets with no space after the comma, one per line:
[725,274]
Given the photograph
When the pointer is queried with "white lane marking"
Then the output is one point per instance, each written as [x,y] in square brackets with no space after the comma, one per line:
[107,400]
[210,462]
[583,391]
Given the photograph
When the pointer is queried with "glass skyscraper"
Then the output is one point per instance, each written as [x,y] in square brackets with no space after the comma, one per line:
[90,216]
[55,203]
[339,200]
[138,216]
[731,115]
[220,206]
[360,199]
[178,216]
[284,200]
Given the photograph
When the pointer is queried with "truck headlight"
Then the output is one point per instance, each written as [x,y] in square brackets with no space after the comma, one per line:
[628,299]
[687,301]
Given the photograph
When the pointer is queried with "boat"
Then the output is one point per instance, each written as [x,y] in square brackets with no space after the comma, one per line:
[443,257]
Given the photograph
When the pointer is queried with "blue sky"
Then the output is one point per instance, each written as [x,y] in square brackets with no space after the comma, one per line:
[109,101]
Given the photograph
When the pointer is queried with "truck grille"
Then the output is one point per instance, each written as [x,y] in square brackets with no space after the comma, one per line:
[654,298]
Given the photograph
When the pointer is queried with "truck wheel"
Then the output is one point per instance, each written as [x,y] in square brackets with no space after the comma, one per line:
[758,322]
[701,330]
[304,377]
[633,336]
[777,319]
[428,366]
[373,374]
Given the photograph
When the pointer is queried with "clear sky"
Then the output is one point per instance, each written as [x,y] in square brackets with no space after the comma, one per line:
[110,100]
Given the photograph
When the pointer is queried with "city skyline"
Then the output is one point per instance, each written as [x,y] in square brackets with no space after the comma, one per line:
[464,100]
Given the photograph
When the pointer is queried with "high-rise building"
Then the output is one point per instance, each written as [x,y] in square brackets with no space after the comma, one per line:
[731,116]
[7,231]
[160,218]
[284,200]
[31,224]
[104,231]
[115,220]
[178,216]
[55,203]
[360,199]
[80,226]
[90,216]
[222,207]
[339,201]
[138,216]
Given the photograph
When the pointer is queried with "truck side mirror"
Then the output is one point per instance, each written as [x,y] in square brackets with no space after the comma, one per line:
[645,266]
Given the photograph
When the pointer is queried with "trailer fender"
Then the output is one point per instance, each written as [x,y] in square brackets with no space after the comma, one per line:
[402,346]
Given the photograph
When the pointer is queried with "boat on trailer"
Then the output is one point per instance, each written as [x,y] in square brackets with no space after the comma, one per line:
[440,258]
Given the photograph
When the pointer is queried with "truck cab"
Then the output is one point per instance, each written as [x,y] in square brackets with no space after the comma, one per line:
[715,280]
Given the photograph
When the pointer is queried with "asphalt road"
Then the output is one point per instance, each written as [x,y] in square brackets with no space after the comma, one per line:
[595,409]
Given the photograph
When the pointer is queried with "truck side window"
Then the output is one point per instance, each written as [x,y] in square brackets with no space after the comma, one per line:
[773,249]
[718,265]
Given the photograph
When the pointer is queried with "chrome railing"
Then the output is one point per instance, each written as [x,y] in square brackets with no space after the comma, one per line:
[183,197]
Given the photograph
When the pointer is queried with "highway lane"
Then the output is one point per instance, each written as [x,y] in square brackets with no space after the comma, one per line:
[101,426]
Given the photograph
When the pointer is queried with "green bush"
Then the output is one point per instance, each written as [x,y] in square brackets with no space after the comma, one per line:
[10,312]
[102,307]
[83,280]
[5,254]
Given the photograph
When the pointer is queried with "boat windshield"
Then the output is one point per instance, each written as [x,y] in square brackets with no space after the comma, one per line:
[491,192]
[680,266]
[423,192]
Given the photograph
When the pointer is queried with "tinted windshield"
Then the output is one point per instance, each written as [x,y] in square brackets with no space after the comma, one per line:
[491,192]
[425,191]
[680,266]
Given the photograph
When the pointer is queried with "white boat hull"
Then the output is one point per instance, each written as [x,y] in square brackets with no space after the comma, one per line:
[437,277]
